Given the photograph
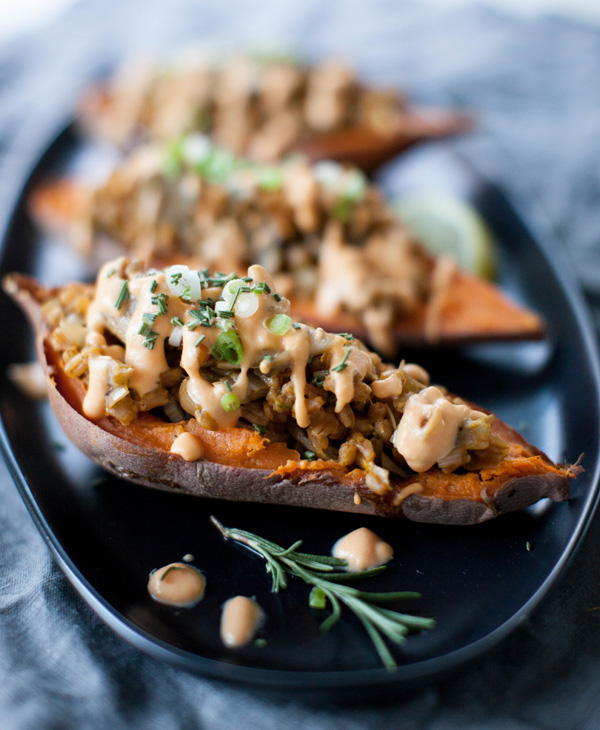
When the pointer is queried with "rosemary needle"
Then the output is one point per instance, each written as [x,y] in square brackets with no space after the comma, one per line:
[328,577]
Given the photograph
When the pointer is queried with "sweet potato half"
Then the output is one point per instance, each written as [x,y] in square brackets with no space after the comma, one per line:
[240,464]
[265,108]
[471,309]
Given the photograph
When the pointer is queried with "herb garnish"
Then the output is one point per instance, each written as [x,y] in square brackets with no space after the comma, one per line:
[199,340]
[229,348]
[319,377]
[343,365]
[123,295]
[153,286]
[160,300]
[149,335]
[326,575]
[204,315]
[261,429]
[176,321]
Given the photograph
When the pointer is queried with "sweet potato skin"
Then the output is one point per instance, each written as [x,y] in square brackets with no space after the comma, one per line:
[302,484]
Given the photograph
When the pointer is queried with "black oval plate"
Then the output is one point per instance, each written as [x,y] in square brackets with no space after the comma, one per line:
[479,582]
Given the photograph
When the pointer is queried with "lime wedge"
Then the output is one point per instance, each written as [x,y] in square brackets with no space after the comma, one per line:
[449,225]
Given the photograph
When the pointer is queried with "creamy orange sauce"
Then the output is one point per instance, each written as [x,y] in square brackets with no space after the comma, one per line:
[362,549]
[148,363]
[177,584]
[355,364]
[261,347]
[188,447]
[94,403]
[108,287]
[416,372]
[389,387]
[428,428]
[240,619]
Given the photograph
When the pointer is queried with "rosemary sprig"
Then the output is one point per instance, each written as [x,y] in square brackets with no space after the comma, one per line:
[327,576]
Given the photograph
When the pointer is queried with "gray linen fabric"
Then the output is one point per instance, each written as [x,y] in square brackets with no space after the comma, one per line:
[534,87]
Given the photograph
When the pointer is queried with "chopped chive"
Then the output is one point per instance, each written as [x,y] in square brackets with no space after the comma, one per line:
[123,295]
[277,297]
[269,358]
[160,300]
[345,335]
[309,455]
[342,365]
[319,377]
[261,429]
[110,273]
[226,314]
[199,340]
[228,386]
[177,321]
[153,286]
[150,339]
[296,326]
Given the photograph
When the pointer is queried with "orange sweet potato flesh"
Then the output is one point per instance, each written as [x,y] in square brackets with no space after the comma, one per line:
[240,465]
[474,310]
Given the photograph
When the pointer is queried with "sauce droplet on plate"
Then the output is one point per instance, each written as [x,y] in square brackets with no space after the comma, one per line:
[240,619]
[362,549]
[177,584]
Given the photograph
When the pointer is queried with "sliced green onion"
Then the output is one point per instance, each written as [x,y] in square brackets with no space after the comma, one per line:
[230,402]
[247,305]
[229,348]
[270,177]
[317,598]
[279,324]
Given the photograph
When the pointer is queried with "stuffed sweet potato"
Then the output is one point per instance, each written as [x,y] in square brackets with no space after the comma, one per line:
[263,108]
[201,383]
[332,243]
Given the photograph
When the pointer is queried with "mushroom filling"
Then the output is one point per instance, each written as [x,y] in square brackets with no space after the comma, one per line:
[224,350]
[255,106]
[324,233]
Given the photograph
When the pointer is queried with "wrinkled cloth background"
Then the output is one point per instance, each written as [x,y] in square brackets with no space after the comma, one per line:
[534,86]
